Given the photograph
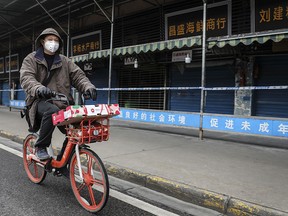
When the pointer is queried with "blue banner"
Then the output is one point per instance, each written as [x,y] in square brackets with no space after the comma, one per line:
[160,117]
[17,103]
[253,125]
[246,125]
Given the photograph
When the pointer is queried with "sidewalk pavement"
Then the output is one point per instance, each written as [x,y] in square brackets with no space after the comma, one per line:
[227,176]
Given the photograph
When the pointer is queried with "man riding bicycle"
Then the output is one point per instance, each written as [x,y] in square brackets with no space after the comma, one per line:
[46,71]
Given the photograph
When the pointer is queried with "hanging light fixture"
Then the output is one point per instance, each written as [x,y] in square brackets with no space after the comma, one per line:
[187,59]
[136,63]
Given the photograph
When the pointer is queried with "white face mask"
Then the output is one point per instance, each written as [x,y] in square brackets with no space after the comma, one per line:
[51,46]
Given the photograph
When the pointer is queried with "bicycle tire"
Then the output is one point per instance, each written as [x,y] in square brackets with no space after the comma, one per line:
[35,172]
[93,193]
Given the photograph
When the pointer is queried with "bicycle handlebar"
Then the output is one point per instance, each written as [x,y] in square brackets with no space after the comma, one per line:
[63,98]
[59,97]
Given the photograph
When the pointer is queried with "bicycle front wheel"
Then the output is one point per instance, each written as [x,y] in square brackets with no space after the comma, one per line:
[35,171]
[93,191]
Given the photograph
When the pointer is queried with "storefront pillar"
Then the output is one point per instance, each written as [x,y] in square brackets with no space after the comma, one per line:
[243,77]
[203,74]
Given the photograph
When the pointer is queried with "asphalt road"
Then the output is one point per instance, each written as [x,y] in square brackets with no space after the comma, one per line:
[19,196]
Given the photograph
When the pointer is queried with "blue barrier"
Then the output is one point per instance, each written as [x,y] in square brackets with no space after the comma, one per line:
[160,117]
[17,104]
[197,88]
[252,125]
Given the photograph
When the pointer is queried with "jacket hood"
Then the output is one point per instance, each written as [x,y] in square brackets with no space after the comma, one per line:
[48,31]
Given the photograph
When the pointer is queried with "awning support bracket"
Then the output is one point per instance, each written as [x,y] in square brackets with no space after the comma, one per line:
[51,16]
[102,10]
[15,28]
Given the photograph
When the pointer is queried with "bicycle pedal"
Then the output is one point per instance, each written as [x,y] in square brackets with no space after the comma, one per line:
[48,170]
[57,173]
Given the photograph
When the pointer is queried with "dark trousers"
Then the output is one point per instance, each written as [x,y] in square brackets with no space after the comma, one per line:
[44,114]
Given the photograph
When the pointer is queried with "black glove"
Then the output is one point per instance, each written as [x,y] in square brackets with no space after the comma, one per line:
[92,93]
[44,92]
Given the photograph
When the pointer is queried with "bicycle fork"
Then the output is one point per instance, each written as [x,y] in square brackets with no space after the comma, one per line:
[79,162]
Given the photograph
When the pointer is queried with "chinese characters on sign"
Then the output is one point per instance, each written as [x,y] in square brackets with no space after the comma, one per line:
[86,43]
[251,126]
[271,15]
[220,123]
[179,56]
[169,118]
[187,24]
[17,103]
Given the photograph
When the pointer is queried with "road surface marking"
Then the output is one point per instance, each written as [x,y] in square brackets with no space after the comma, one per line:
[116,194]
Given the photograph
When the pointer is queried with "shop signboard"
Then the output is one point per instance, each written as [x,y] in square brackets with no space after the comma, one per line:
[2,65]
[187,23]
[179,56]
[129,60]
[270,15]
[83,44]
[14,63]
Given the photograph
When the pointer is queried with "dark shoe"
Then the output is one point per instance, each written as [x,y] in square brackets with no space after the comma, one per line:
[41,154]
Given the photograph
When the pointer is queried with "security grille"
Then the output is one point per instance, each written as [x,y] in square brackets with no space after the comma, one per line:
[142,77]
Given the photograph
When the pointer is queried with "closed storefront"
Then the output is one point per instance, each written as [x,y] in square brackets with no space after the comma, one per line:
[1,92]
[143,77]
[272,71]
[20,94]
[189,100]
[5,94]
[220,101]
[185,100]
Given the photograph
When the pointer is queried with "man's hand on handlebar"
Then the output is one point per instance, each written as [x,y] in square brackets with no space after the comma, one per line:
[45,92]
[91,94]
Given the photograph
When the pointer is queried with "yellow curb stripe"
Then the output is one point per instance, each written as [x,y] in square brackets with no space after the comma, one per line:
[208,199]
[168,182]
[215,201]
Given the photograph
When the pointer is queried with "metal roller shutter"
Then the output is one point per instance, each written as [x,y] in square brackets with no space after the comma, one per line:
[272,72]
[221,102]
[144,76]
[1,92]
[5,94]
[184,100]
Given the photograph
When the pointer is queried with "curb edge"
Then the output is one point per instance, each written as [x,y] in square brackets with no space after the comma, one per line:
[212,200]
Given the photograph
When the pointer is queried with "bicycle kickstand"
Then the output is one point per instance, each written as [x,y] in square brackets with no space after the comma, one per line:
[48,166]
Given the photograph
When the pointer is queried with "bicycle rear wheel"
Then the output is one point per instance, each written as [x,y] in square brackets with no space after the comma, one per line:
[93,192]
[35,171]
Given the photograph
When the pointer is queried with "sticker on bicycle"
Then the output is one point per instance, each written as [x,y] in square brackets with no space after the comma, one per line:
[74,114]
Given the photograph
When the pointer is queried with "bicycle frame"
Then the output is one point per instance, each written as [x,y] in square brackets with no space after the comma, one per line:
[82,133]
[87,173]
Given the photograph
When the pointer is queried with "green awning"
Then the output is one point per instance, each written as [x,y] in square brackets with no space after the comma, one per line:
[99,54]
[185,42]
[160,45]
[79,58]
[246,39]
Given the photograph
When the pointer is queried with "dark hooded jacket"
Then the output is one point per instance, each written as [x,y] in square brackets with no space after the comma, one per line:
[34,72]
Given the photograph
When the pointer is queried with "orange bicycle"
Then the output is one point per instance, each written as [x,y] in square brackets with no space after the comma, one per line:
[87,174]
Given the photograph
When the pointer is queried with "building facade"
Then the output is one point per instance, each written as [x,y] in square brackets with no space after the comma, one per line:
[245,56]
